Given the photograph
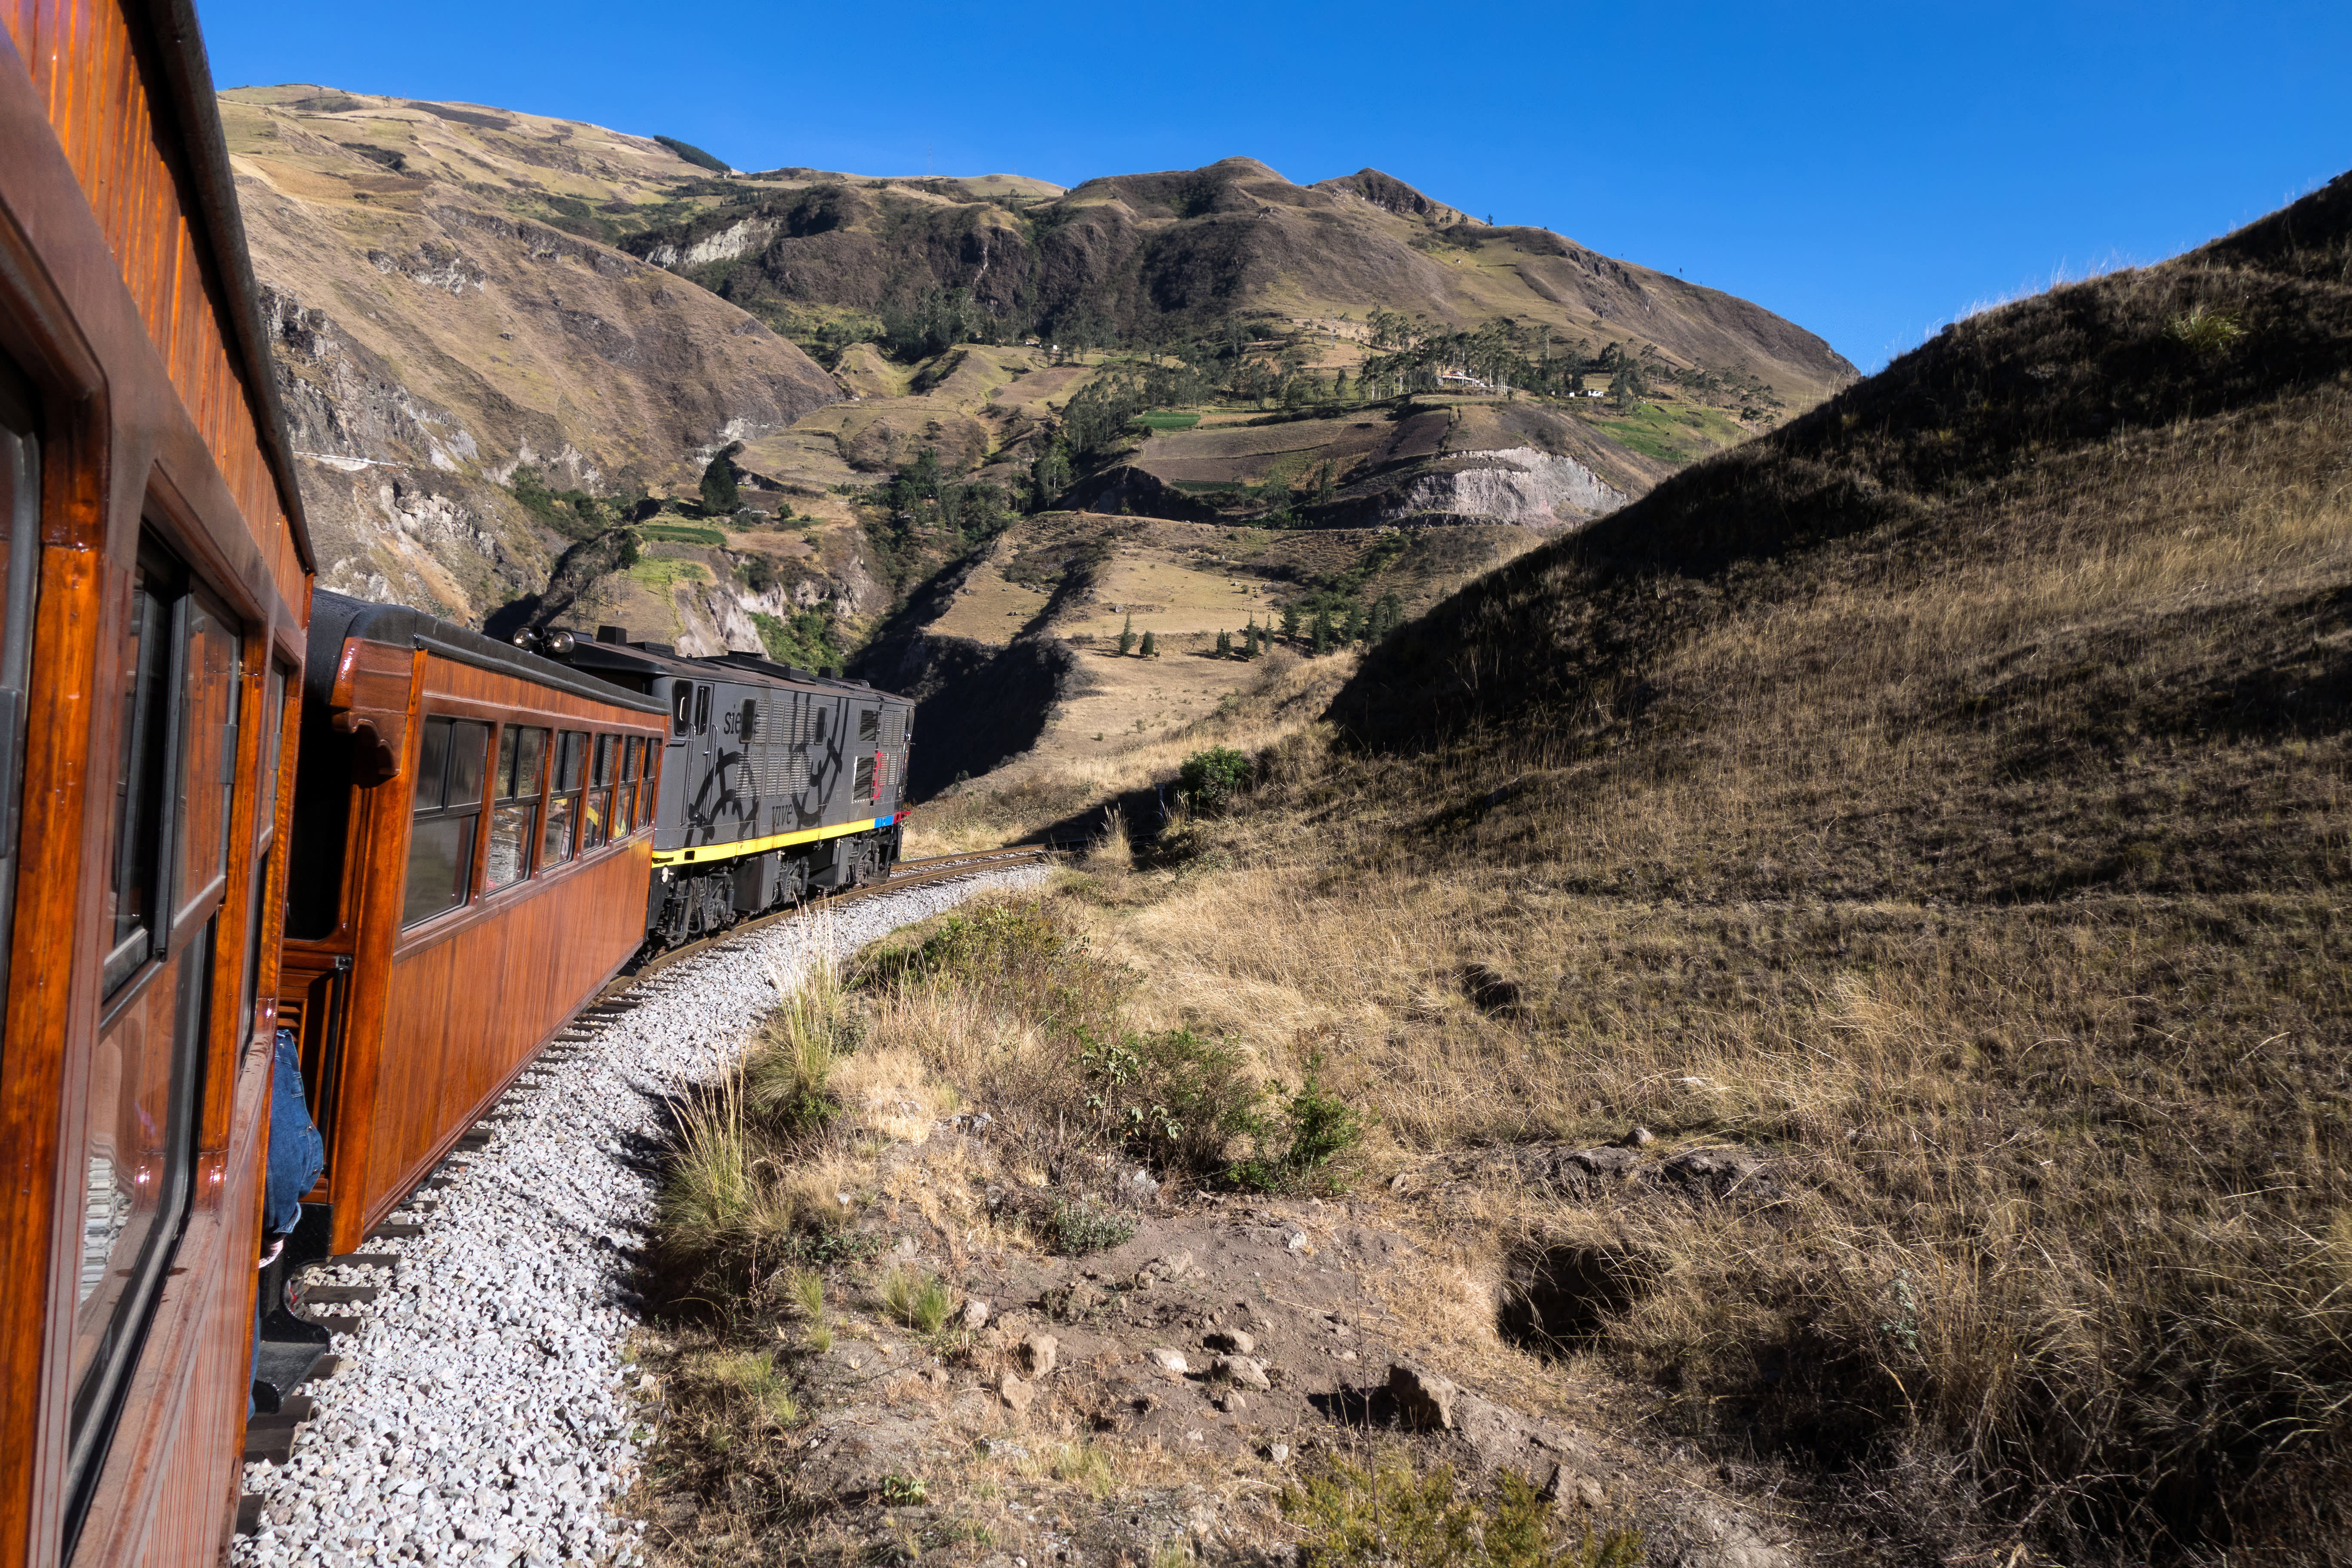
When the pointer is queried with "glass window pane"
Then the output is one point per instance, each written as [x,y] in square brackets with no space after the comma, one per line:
[597,812]
[138,784]
[681,707]
[468,744]
[440,853]
[210,678]
[432,765]
[701,710]
[572,761]
[135,1168]
[509,852]
[530,752]
[555,844]
[603,773]
[631,757]
[505,776]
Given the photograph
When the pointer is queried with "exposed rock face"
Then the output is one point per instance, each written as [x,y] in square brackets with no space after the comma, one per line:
[430,342]
[1522,486]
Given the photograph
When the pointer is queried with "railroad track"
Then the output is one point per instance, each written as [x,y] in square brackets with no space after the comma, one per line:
[904,875]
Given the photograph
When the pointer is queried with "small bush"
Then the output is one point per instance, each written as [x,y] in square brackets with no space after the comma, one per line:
[1174,1099]
[1385,1513]
[1317,1128]
[1076,1229]
[2202,330]
[789,1068]
[1209,780]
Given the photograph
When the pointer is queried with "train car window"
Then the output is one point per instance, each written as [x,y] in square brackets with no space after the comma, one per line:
[20,554]
[596,815]
[448,804]
[514,820]
[681,707]
[275,689]
[624,802]
[649,784]
[211,684]
[702,709]
[133,891]
[182,678]
[863,788]
[869,727]
[563,800]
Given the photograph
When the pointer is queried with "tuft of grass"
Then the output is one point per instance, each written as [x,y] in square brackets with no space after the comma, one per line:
[920,1300]
[806,1289]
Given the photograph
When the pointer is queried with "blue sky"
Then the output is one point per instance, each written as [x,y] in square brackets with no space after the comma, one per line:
[1868,172]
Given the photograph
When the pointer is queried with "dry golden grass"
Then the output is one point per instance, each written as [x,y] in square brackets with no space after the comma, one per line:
[1976,860]
[1287,691]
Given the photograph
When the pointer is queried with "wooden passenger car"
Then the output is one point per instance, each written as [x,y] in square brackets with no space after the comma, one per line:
[154,584]
[473,834]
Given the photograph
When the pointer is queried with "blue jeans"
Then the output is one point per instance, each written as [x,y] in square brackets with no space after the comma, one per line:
[296,1157]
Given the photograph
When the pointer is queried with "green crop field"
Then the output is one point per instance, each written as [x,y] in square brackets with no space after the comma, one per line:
[1159,419]
[681,534]
[1673,434]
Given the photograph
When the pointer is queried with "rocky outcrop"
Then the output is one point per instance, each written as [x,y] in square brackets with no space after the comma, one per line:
[1519,485]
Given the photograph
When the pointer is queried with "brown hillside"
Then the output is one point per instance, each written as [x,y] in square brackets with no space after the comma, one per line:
[1939,804]
[1925,825]
[434,333]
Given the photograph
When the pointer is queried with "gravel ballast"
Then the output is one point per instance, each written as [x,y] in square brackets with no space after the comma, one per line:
[480,1414]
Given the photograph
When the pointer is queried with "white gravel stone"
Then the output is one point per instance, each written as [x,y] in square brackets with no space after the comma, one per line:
[481,1416]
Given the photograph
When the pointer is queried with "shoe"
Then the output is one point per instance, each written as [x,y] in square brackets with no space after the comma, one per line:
[269,1254]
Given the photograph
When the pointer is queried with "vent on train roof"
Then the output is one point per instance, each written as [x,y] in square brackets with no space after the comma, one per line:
[618,635]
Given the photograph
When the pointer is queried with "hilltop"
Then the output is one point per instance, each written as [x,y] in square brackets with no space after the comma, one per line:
[1154,257]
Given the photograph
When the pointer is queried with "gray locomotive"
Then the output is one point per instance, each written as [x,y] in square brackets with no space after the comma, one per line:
[774,781]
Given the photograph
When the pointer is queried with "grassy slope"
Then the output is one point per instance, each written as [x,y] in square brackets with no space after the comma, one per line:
[1953,785]
[1942,799]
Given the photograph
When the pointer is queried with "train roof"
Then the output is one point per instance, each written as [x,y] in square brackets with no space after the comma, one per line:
[170,29]
[336,617]
[645,660]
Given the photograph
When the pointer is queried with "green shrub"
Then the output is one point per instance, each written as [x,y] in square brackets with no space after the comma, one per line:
[1075,1229]
[1358,1516]
[1174,1099]
[1209,780]
[1317,1129]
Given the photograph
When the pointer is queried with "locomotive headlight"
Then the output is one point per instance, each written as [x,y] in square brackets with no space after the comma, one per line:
[560,642]
[523,639]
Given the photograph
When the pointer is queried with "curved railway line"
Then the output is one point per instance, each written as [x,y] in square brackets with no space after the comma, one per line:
[904,875]
[337,1292]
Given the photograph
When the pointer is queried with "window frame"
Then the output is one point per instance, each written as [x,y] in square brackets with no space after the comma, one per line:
[184,940]
[476,811]
[535,803]
[557,790]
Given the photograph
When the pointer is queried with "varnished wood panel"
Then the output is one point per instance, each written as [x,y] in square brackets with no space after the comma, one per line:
[468,1013]
[109,305]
